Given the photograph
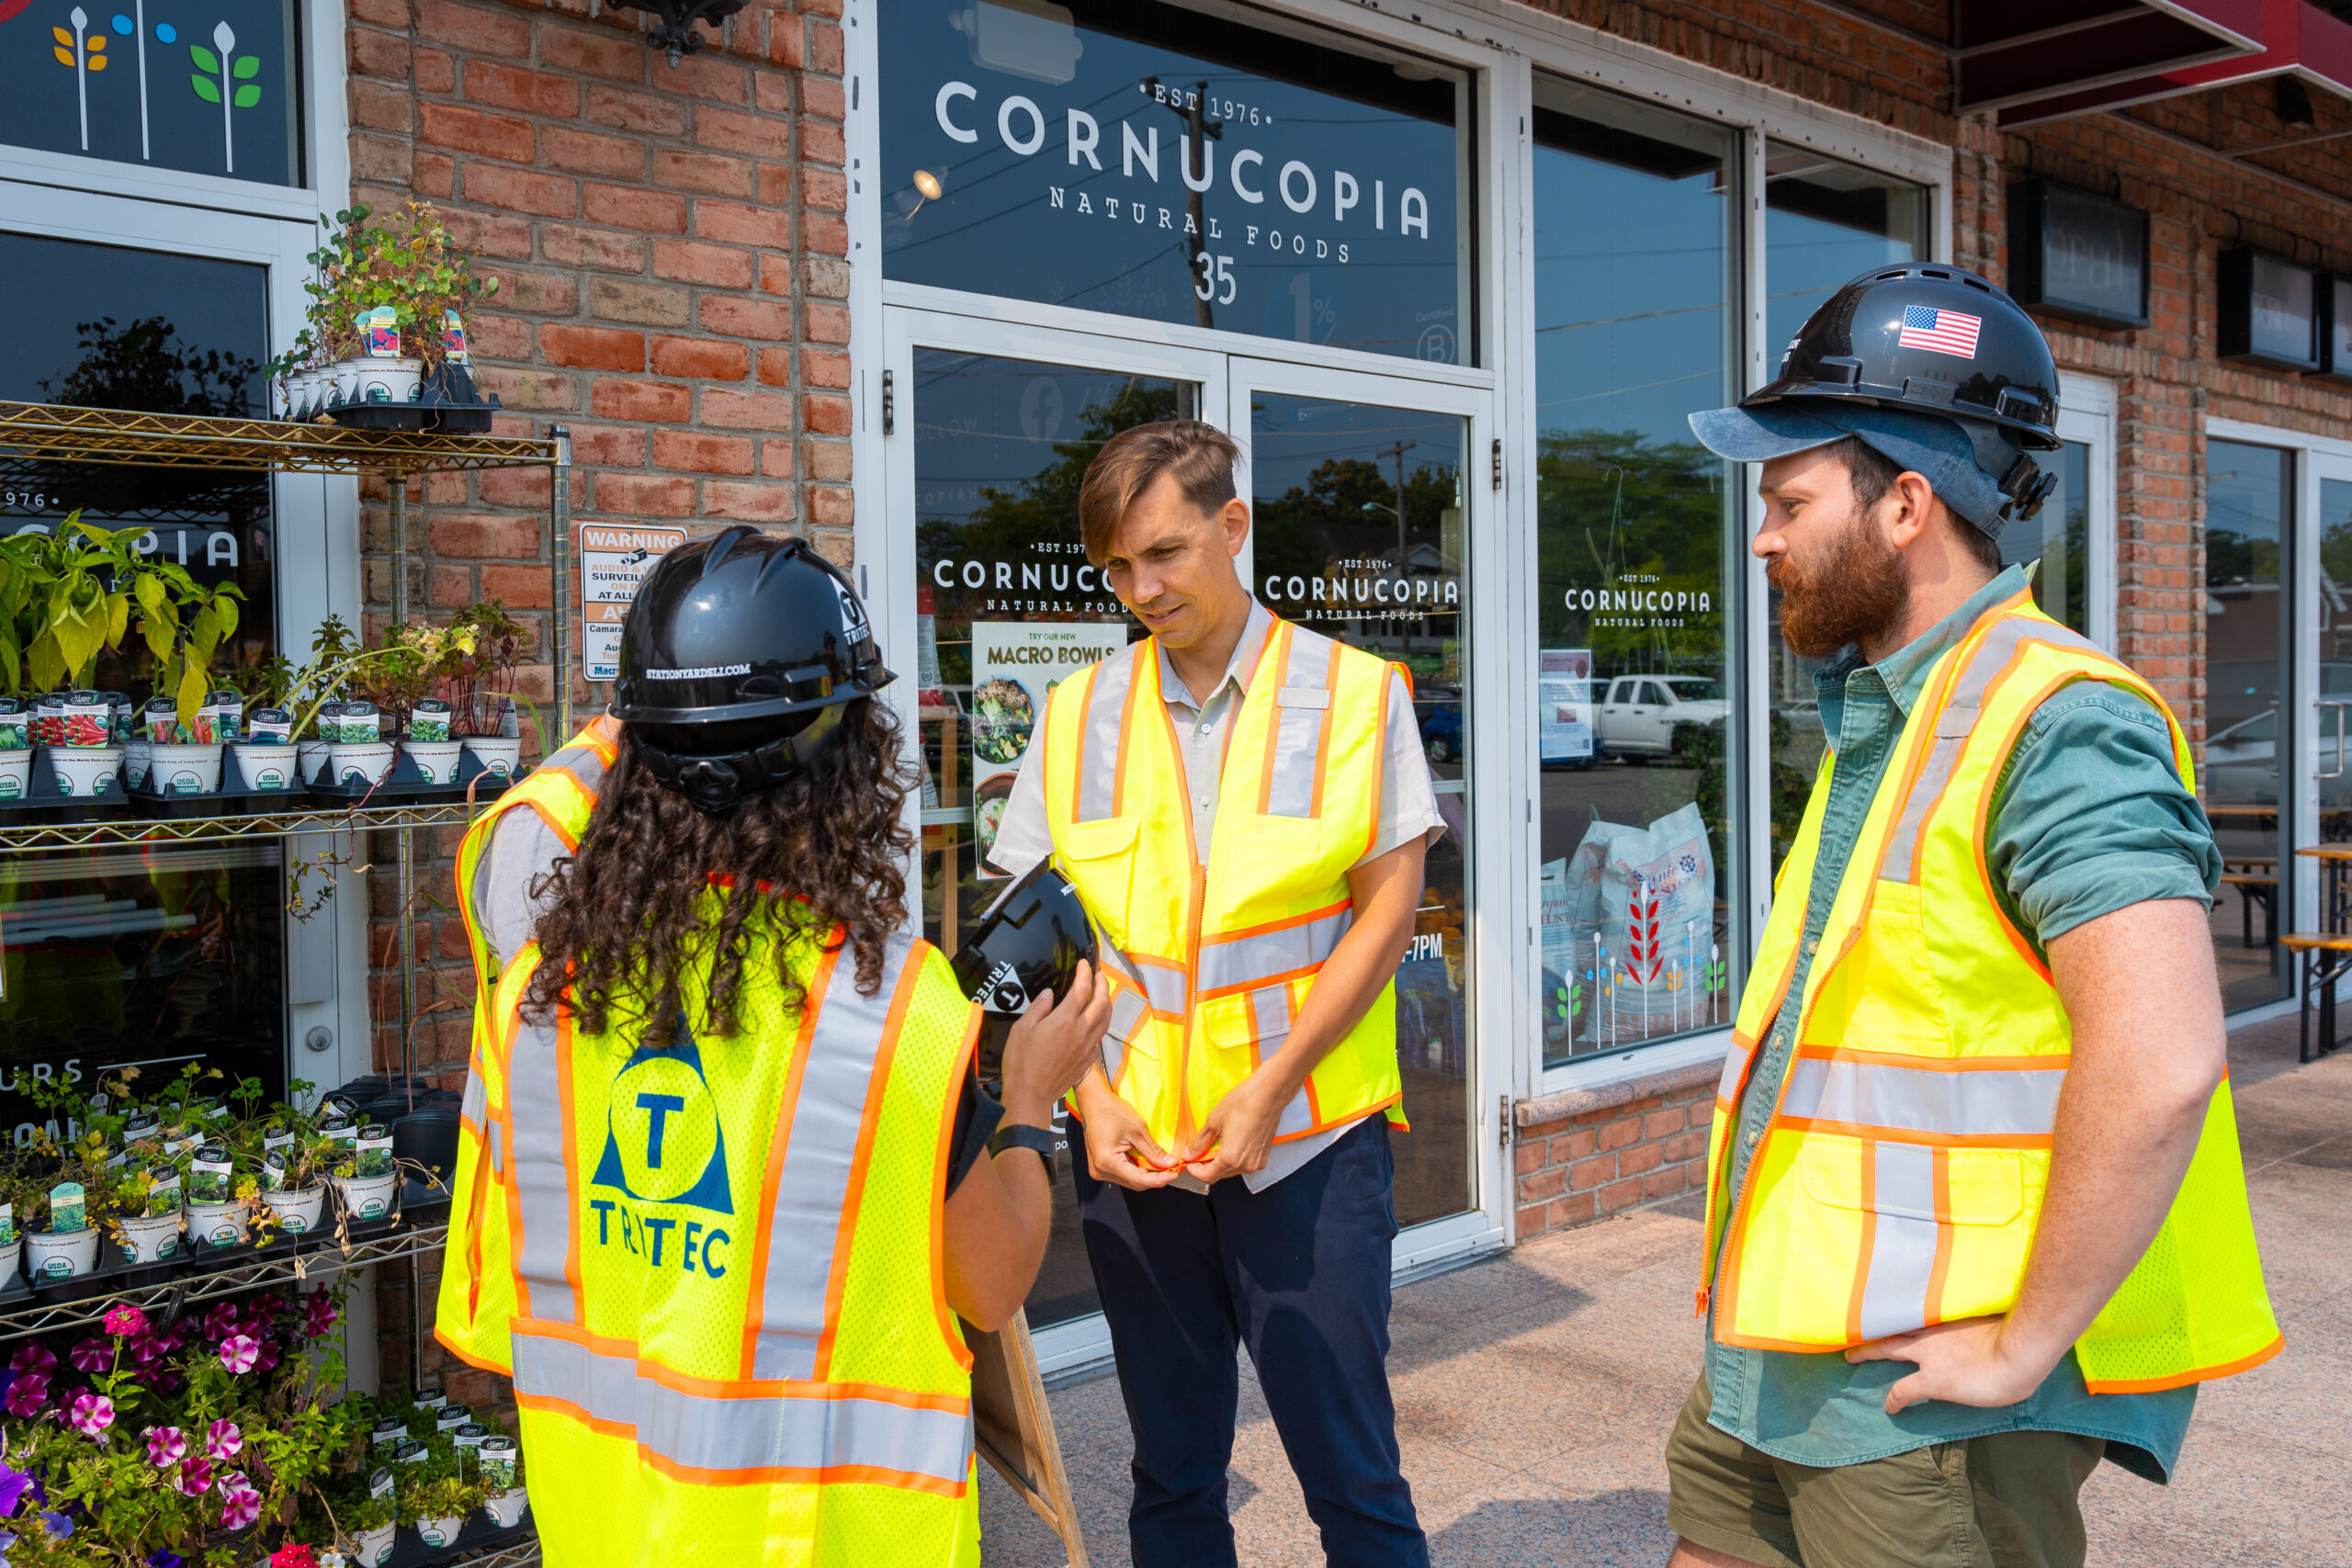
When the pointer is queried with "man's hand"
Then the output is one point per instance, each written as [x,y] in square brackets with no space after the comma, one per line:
[1238,1131]
[1977,1361]
[1119,1149]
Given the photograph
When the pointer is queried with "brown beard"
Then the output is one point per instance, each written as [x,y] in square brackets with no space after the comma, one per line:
[1856,593]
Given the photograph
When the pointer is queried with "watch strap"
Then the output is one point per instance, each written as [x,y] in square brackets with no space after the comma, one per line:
[1020,1136]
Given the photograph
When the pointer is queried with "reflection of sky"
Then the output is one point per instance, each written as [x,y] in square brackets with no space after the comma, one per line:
[993,423]
[2244,489]
[1291,437]
[993,228]
[1629,297]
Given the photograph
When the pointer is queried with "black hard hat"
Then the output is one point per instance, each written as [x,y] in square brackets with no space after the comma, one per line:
[1030,943]
[736,658]
[1937,340]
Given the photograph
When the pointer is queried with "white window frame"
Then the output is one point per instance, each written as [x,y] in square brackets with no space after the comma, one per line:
[2086,413]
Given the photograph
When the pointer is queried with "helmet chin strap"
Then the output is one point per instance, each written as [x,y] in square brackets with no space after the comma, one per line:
[715,784]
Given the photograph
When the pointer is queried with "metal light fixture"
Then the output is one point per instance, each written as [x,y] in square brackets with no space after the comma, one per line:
[673,28]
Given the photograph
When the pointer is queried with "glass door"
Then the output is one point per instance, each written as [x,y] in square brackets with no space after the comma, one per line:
[2328,769]
[1363,490]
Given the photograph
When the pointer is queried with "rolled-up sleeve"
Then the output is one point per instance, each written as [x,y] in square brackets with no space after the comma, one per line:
[2091,817]
[1408,799]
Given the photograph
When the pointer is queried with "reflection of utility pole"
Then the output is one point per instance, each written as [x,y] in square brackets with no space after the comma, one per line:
[1199,131]
[1398,453]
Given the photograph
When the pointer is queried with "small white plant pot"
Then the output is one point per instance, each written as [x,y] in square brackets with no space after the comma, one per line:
[215,1227]
[267,764]
[184,770]
[440,1532]
[310,760]
[373,1548]
[368,1196]
[306,394]
[391,380]
[51,1256]
[16,772]
[500,757]
[138,757]
[347,375]
[12,1260]
[359,763]
[88,772]
[150,1240]
[437,759]
[506,1508]
[298,1209]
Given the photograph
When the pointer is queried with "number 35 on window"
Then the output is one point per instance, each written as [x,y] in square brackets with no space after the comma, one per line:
[1214,271]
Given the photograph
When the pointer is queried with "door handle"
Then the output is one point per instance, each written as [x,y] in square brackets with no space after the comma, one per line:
[2337,772]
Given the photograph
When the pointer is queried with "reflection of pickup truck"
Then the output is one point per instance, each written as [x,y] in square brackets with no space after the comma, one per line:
[1637,716]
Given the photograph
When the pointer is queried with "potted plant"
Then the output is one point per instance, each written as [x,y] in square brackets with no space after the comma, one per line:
[368,1524]
[498,1460]
[290,1158]
[478,679]
[147,1197]
[386,301]
[442,1498]
[367,1180]
[66,1209]
[397,684]
[65,597]
[184,624]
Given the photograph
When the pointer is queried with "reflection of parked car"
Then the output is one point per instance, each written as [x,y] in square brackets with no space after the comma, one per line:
[2242,763]
[1638,715]
[1441,730]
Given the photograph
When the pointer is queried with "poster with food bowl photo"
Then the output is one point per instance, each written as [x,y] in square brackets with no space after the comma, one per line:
[1015,667]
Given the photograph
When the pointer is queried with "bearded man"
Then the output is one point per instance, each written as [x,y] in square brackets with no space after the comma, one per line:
[1976,1218]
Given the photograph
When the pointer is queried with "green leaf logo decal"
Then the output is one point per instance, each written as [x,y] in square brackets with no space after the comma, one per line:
[217,84]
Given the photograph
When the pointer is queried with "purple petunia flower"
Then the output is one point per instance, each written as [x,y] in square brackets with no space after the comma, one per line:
[92,1413]
[33,1357]
[267,1358]
[145,1349]
[237,1352]
[14,1484]
[161,1559]
[166,1445]
[163,1380]
[126,1320]
[27,1394]
[241,1509]
[196,1477]
[319,1312]
[222,1440]
[221,1322]
[91,1355]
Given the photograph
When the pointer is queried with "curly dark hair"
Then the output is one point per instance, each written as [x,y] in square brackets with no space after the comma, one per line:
[622,918]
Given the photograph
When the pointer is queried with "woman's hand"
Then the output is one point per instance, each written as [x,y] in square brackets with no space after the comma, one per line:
[1051,1047]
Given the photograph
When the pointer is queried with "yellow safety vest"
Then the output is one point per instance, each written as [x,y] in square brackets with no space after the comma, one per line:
[1901,1178]
[714,1270]
[1211,964]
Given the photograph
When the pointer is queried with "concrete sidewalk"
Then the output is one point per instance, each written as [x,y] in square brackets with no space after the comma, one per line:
[1534,1391]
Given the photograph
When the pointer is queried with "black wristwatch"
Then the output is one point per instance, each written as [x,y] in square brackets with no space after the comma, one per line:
[1023,1136]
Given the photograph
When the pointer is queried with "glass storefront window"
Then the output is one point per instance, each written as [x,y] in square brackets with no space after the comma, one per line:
[2249,508]
[1636,278]
[1359,528]
[2059,537]
[222,95]
[1132,157]
[1826,222]
[1006,598]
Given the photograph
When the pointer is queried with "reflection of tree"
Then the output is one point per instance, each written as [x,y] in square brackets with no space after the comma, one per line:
[2231,557]
[146,367]
[1610,504]
[1348,509]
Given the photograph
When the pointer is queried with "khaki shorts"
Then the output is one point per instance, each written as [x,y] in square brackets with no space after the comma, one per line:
[2003,1501]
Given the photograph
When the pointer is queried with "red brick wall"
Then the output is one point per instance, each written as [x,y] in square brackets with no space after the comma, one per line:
[1574,1168]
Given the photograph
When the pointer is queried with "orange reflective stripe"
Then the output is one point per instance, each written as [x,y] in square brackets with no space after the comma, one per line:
[2195,1374]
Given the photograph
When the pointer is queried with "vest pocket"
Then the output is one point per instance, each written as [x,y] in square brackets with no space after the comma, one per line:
[1267,856]
[1883,996]
[1913,1181]
[1099,859]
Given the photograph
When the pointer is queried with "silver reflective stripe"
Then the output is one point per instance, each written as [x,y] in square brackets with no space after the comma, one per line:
[1269,1012]
[1955,721]
[541,1189]
[1298,1116]
[1098,757]
[1165,987]
[1735,1066]
[1903,1248]
[1981,1102]
[1298,731]
[789,1432]
[1246,960]
[1126,1017]
[583,763]
[476,1105]
[819,1154]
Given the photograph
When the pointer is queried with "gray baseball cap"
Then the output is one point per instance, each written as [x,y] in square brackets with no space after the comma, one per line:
[1938,450]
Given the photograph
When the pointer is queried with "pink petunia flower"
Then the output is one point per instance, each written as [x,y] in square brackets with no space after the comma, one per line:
[145,1349]
[196,1477]
[237,1352]
[221,1322]
[91,1355]
[27,1394]
[163,1380]
[166,1445]
[222,1440]
[319,1312]
[267,1358]
[241,1509]
[92,1413]
[126,1320]
[33,1357]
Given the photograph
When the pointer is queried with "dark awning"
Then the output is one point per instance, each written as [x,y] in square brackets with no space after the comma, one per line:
[2013,53]
[2297,39]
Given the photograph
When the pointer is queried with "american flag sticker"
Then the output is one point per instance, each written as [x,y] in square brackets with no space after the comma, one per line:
[1945,331]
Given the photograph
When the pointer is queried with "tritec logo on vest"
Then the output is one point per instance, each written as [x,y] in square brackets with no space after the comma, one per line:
[665,1154]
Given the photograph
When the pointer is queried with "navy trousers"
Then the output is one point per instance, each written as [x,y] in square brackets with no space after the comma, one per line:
[1299,1273]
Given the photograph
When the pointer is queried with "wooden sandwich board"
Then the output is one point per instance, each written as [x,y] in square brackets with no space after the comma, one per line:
[1014,1427]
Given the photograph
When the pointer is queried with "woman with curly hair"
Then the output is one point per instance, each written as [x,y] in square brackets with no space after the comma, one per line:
[721,1200]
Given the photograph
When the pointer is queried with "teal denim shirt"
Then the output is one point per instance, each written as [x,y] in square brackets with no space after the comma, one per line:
[2089,817]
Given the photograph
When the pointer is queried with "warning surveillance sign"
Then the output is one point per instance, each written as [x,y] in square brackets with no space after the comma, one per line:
[613,561]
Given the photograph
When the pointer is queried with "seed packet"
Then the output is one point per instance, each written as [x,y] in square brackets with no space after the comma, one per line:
[164,1193]
[49,719]
[389,1430]
[85,721]
[15,725]
[65,1208]
[379,333]
[453,338]
[272,726]
[209,1176]
[159,720]
[352,724]
[498,1461]
[380,1484]
[118,715]
[429,720]
[468,1434]
[145,1127]
[341,1129]
[273,1170]
[452,1417]
[341,1105]
[375,1146]
[7,1224]
[407,1450]
[222,717]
